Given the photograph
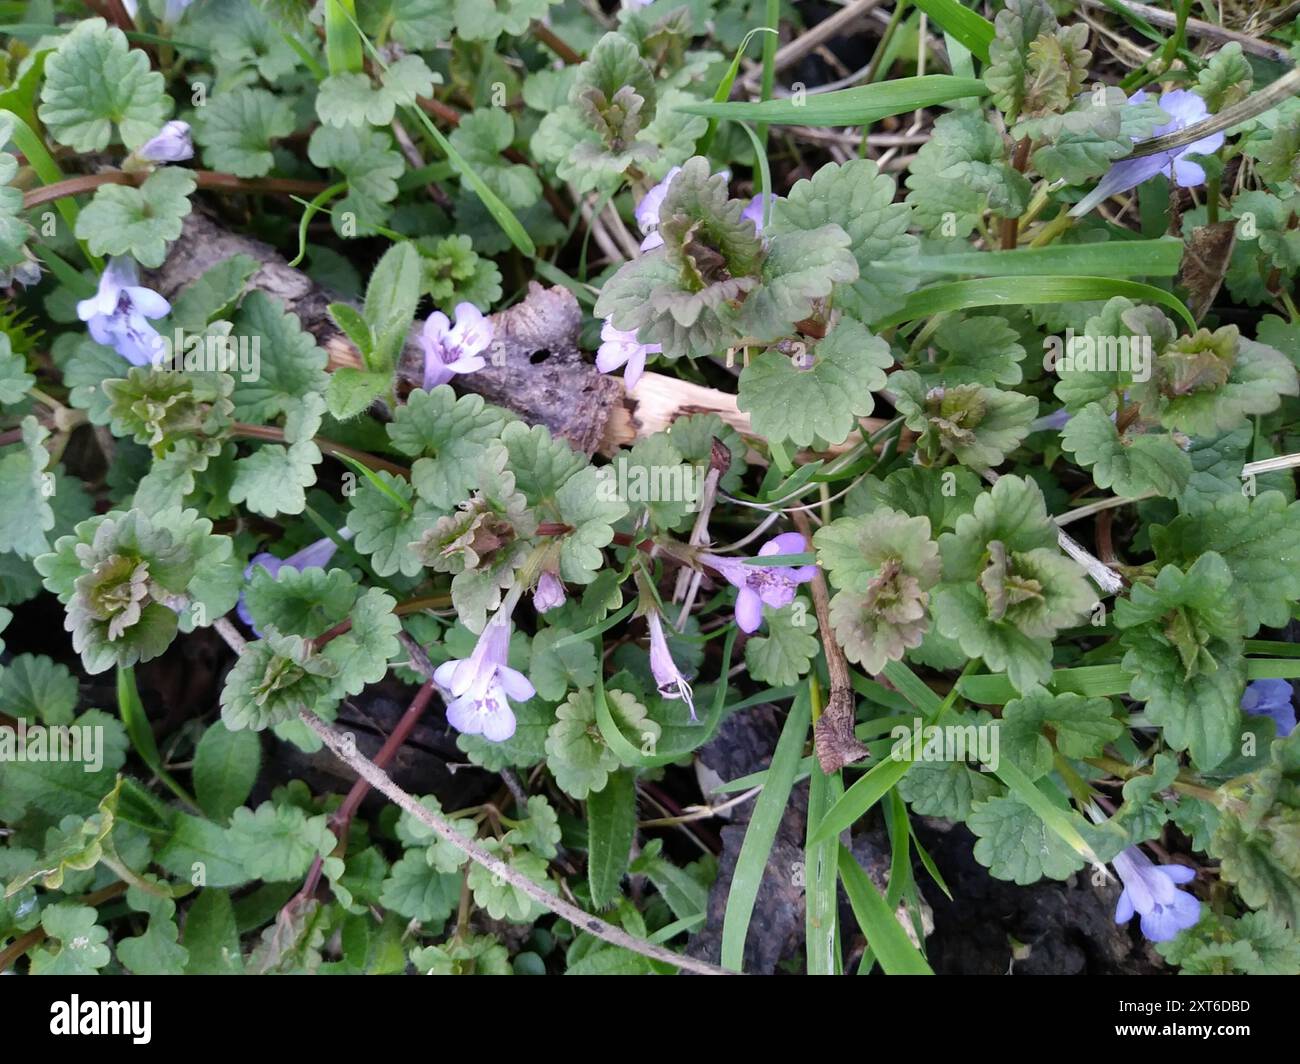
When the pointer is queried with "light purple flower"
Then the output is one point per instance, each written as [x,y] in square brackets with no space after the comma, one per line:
[1152,892]
[763,585]
[1271,698]
[668,678]
[647,211]
[172,144]
[1185,108]
[482,684]
[314,555]
[754,212]
[448,350]
[621,348]
[549,594]
[115,315]
[174,9]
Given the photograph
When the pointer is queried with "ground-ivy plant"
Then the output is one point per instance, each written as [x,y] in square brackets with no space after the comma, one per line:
[574,416]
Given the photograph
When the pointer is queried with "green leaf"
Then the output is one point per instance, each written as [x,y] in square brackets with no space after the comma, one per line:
[978,425]
[1259,538]
[822,397]
[392,295]
[485,20]
[387,526]
[611,827]
[77,942]
[214,294]
[860,199]
[1082,728]
[236,130]
[559,663]
[142,221]
[785,652]
[41,690]
[954,18]
[500,898]
[961,172]
[291,365]
[94,81]
[211,937]
[577,754]
[226,765]
[365,157]
[1131,465]
[277,843]
[418,891]
[27,514]
[352,391]
[1014,844]
[1182,638]
[1226,79]
[273,679]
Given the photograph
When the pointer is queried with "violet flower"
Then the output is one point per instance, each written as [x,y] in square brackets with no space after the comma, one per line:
[115,315]
[1152,892]
[173,11]
[171,144]
[314,555]
[448,350]
[1186,108]
[754,212]
[482,684]
[549,594]
[647,211]
[668,678]
[1271,698]
[620,347]
[763,585]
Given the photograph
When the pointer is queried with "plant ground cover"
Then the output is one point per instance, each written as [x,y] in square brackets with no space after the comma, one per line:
[517,487]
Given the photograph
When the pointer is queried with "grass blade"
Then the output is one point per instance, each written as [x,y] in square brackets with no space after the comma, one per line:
[761,833]
[858,106]
[971,28]
[1134,258]
[1022,291]
[888,940]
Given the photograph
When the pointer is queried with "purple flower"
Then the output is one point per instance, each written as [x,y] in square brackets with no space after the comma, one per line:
[1271,698]
[116,314]
[622,348]
[447,350]
[1186,108]
[172,144]
[1152,892]
[482,684]
[314,555]
[754,212]
[668,678]
[173,11]
[763,585]
[549,594]
[647,211]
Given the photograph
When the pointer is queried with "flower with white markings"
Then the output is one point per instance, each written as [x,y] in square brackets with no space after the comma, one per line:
[117,313]
[1151,891]
[668,677]
[482,685]
[450,350]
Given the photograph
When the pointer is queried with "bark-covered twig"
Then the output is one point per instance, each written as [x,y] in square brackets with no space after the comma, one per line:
[582,921]
[833,736]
